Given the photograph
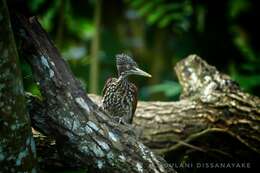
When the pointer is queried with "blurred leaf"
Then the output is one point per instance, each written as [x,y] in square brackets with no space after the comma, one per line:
[241,42]
[152,18]
[136,3]
[200,15]
[82,28]
[169,88]
[47,19]
[34,90]
[250,66]
[162,10]
[237,7]
[247,82]
[35,4]
[146,8]
[167,19]
[164,13]
[188,9]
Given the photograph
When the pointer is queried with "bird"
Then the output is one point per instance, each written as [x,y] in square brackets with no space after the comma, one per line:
[119,95]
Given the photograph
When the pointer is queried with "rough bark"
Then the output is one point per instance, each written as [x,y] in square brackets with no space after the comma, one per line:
[210,102]
[83,132]
[17,147]
[214,120]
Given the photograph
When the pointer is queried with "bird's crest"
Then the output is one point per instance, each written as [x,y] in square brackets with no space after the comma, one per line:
[123,59]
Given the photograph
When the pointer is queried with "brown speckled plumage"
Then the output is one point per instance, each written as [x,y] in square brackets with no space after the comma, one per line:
[120,95]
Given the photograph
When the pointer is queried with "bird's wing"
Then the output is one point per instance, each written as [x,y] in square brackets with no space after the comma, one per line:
[135,95]
[109,80]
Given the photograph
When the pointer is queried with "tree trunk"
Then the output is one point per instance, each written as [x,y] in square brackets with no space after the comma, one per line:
[17,147]
[84,133]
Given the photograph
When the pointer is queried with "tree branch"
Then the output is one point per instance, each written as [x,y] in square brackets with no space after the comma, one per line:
[82,131]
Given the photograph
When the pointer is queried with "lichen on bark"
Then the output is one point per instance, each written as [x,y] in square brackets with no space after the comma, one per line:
[17,148]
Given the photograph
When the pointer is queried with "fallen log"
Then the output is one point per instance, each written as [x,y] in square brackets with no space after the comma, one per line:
[214,118]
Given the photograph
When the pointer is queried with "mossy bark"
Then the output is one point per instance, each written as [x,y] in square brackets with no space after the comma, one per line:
[17,147]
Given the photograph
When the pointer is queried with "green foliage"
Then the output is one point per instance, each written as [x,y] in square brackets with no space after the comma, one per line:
[237,7]
[246,73]
[163,13]
[159,29]
[170,89]
[80,27]
[29,84]
[47,18]
[200,18]
[242,44]
[35,4]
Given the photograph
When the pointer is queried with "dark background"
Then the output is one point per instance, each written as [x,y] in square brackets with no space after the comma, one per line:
[157,33]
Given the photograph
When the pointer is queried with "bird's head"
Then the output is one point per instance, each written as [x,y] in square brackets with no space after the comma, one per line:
[127,66]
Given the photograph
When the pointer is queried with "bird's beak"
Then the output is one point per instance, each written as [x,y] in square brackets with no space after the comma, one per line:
[138,71]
